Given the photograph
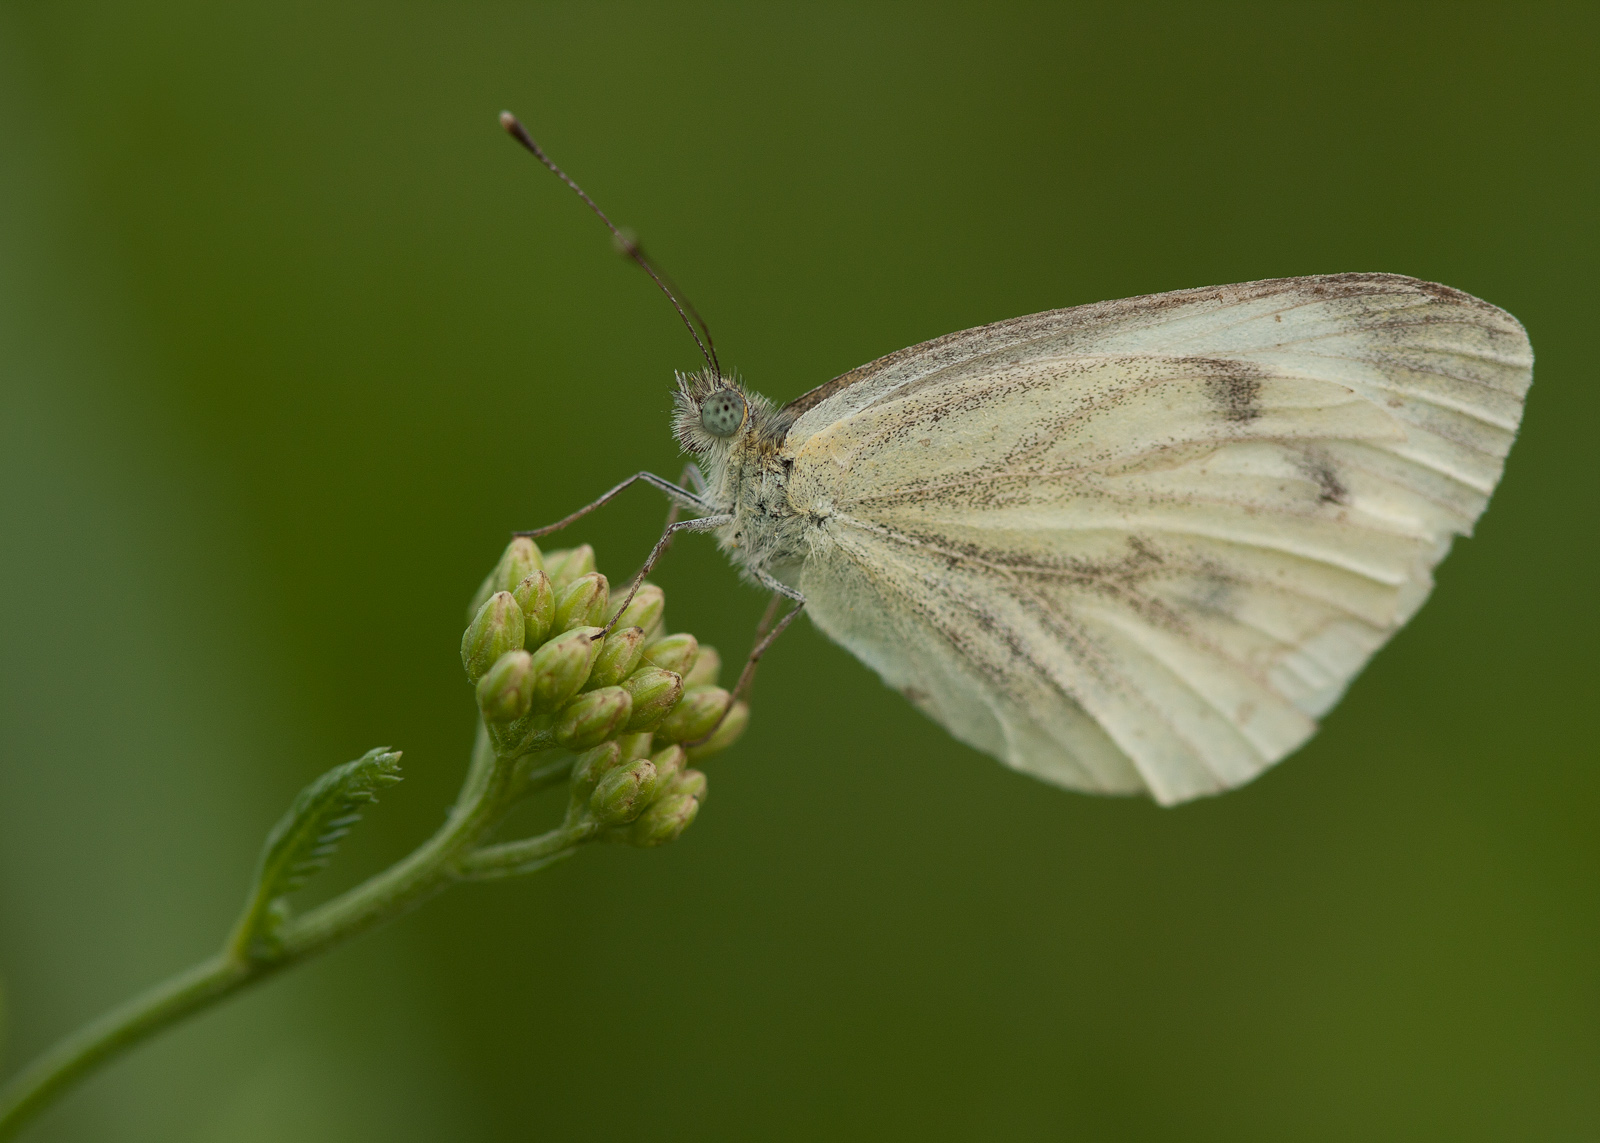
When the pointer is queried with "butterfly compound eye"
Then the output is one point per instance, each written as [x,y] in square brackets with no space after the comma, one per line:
[722,413]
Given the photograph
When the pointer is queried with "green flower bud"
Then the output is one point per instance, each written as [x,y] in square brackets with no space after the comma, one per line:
[568,564]
[654,693]
[696,713]
[705,670]
[725,735]
[669,764]
[636,745]
[591,766]
[505,693]
[623,794]
[582,603]
[537,599]
[591,718]
[561,667]
[664,821]
[649,602]
[520,558]
[675,653]
[691,782]
[496,629]
[619,655]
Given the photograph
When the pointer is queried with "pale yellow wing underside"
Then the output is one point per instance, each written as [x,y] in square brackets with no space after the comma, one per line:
[1142,545]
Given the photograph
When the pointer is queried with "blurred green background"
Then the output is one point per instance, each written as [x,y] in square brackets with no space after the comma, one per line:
[291,337]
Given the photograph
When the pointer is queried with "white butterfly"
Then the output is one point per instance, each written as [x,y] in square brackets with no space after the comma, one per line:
[1137,546]
[1134,546]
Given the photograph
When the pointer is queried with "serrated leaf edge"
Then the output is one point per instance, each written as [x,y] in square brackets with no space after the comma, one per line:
[304,840]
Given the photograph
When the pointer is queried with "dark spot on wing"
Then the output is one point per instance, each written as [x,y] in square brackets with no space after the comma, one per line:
[1142,555]
[1331,490]
[1236,391]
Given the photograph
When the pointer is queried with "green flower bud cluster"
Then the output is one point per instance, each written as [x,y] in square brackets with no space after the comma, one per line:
[637,797]
[637,706]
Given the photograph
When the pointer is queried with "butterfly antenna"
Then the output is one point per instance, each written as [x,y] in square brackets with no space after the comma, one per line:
[627,244]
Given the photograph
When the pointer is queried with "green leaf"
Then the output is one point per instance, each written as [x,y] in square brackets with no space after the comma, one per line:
[305,839]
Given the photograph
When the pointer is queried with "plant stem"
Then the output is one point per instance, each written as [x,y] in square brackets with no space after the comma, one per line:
[517,857]
[491,785]
[114,1032]
[414,878]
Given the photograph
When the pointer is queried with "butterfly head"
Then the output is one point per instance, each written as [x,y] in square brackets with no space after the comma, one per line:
[716,415]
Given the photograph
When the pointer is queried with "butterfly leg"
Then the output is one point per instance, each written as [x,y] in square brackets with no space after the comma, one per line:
[766,634]
[768,615]
[703,524]
[694,480]
[764,639]
[680,497]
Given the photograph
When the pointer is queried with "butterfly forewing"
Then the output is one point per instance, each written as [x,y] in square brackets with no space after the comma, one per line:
[1142,544]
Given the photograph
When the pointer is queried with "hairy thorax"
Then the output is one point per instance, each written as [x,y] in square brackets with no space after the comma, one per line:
[766,533]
